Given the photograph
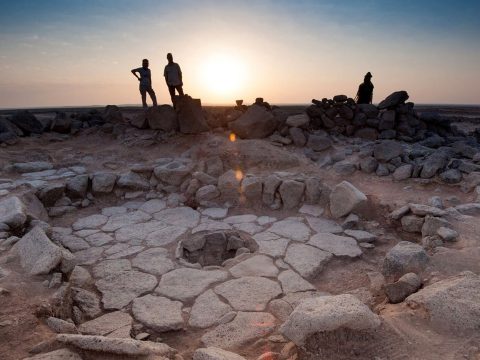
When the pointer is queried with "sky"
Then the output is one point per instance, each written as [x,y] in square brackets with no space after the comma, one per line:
[80,52]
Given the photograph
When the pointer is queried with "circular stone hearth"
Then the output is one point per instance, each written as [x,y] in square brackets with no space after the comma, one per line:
[214,248]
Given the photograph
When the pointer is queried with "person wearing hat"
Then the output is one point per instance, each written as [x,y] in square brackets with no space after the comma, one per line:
[365,90]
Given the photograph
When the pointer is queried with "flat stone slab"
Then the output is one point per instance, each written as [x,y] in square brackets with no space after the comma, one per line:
[158,313]
[61,354]
[249,293]
[207,310]
[258,265]
[291,229]
[165,236]
[131,250]
[215,213]
[72,242]
[88,256]
[321,225]
[361,236]
[90,222]
[99,239]
[308,261]
[106,324]
[181,216]
[335,244]
[214,353]
[154,261]
[185,284]
[292,282]
[274,248]
[245,328]
[249,228]
[110,267]
[424,210]
[138,231]
[153,206]
[314,210]
[119,289]
[116,222]
[241,219]
[114,210]
[211,225]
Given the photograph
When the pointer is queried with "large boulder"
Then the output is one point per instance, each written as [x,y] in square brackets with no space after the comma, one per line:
[27,122]
[77,186]
[133,181]
[38,255]
[403,258]
[345,198]
[452,304]
[291,192]
[434,163]
[300,120]
[319,143]
[6,126]
[112,114]
[12,212]
[256,123]
[387,150]
[61,124]
[162,117]
[328,313]
[191,118]
[393,100]
[103,182]
[174,172]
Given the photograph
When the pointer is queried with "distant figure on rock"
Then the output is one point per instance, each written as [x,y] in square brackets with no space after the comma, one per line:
[145,79]
[365,90]
[173,78]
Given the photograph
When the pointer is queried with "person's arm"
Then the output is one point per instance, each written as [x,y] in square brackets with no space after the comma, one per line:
[165,75]
[180,74]
[134,72]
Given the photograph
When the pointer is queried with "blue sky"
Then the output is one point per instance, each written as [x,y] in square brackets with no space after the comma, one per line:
[75,52]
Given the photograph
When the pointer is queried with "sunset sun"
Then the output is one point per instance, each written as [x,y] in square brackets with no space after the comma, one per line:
[223,75]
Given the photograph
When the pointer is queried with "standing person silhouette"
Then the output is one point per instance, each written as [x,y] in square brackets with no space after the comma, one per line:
[365,90]
[173,78]
[145,79]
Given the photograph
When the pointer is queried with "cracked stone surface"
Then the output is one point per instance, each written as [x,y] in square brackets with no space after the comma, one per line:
[158,313]
[246,327]
[185,284]
[291,229]
[292,282]
[335,244]
[154,261]
[119,289]
[258,265]
[207,310]
[249,293]
[307,260]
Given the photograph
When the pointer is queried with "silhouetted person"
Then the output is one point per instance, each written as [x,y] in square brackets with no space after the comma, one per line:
[145,79]
[173,78]
[365,90]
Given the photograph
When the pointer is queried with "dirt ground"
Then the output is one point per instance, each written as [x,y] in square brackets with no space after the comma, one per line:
[404,336]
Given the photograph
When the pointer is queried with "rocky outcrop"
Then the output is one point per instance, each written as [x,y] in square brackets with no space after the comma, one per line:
[256,123]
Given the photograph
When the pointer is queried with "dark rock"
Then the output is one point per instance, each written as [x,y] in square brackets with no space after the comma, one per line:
[360,119]
[433,141]
[61,124]
[369,109]
[387,122]
[190,116]
[49,194]
[374,123]
[256,123]
[368,165]
[346,112]
[405,286]
[162,117]
[112,114]
[387,150]
[298,136]
[382,170]
[367,133]
[394,100]
[387,135]
[452,176]
[7,126]
[27,122]
[340,98]
[319,143]
[433,164]
[344,168]
[403,258]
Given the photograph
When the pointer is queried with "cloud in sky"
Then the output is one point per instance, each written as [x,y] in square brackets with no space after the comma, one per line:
[291,51]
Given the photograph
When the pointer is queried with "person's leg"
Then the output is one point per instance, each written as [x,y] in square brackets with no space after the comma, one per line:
[152,96]
[180,90]
[144,97]
[171,90]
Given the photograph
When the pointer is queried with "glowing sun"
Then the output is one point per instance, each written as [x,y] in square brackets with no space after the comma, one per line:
[223,75]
